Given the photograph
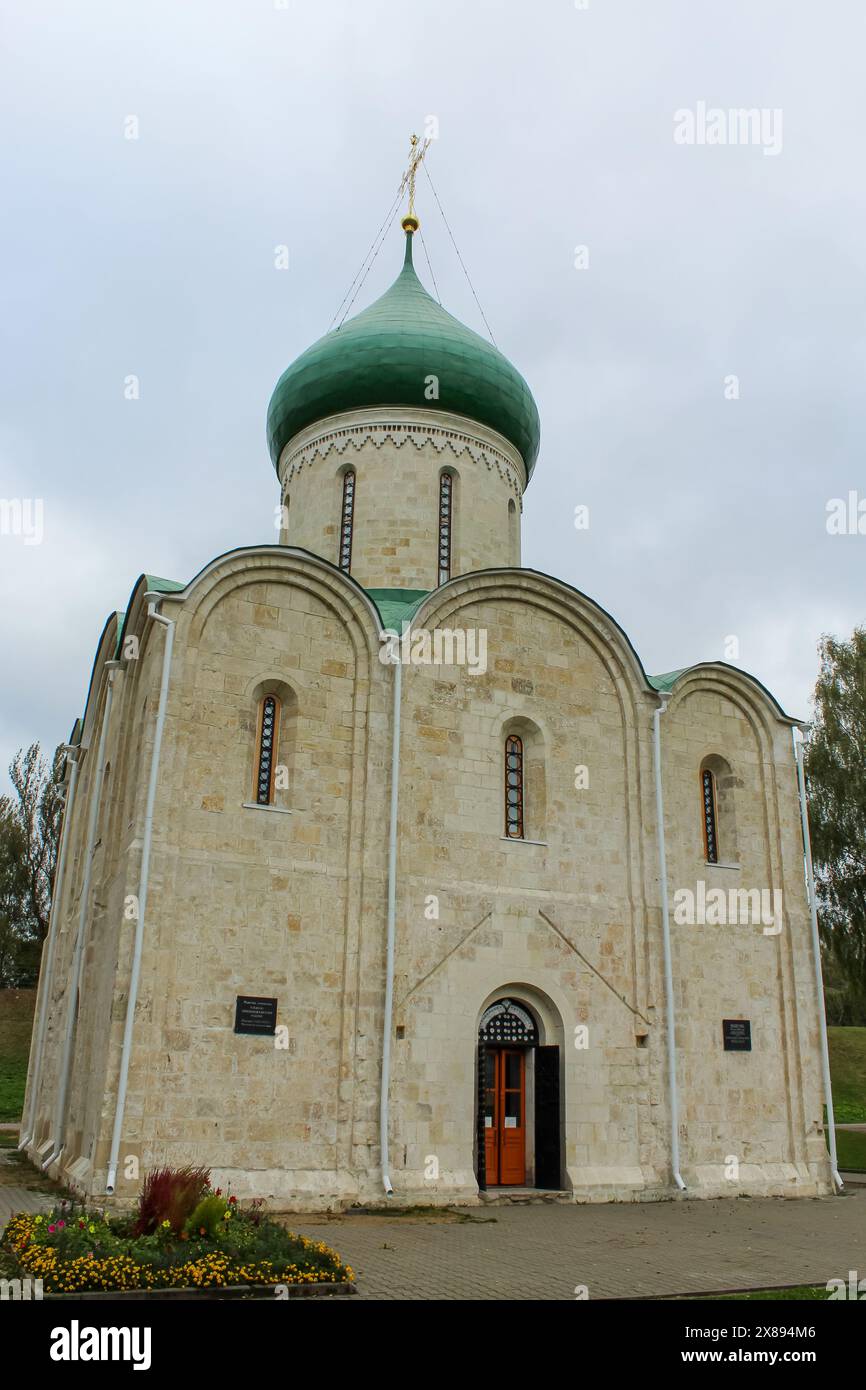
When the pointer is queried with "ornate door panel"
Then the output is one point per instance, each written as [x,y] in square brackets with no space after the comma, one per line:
[505,1117]
[512,1110]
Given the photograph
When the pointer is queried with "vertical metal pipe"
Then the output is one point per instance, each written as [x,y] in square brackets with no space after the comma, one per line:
[392,926]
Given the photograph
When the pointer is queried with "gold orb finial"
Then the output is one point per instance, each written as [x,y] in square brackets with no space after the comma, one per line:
[410,223]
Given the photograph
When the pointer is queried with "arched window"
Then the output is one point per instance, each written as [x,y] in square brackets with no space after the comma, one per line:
[719,786]
[514,787]
[446,525]
[708,800]
[266,749]
[347,520]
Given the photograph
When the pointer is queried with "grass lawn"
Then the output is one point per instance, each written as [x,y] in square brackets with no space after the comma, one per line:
[848,1070]
[805,1292]
[16,1022]
[851,1150]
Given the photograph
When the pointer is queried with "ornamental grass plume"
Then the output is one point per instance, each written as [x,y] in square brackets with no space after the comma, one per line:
[169,1194]
[207,1215]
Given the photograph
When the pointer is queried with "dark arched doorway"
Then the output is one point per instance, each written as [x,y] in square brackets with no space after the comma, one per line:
[518,1100]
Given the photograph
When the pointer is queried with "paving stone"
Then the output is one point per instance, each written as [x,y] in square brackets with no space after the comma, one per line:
[617,1251]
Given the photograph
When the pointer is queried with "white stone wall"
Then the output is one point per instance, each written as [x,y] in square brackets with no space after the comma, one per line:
[292,903]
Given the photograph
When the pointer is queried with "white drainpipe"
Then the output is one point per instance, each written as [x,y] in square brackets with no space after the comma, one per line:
[670,1021]
[146,841]
[392,923]
[46,980]
[816,958]
[74,983]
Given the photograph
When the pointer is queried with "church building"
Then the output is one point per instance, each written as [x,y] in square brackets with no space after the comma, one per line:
[388,873]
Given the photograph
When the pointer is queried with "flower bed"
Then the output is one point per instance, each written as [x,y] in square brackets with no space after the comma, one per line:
[73,1250]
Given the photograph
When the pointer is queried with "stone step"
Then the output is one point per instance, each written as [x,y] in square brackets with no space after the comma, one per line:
[522,1196]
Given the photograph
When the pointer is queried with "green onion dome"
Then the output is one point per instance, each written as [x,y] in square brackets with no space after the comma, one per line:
[386,355]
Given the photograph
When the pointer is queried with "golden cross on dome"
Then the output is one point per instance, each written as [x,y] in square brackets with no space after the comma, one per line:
[417,151]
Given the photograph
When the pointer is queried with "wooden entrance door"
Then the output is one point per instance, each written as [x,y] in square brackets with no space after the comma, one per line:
[505,1116]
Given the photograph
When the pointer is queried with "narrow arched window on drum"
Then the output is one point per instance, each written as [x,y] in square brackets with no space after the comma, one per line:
[269,725]
[514,787]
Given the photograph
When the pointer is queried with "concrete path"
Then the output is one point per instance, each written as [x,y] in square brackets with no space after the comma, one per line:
[619,1251]
[14,1199]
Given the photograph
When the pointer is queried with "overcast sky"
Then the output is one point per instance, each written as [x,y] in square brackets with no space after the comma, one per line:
[264,124]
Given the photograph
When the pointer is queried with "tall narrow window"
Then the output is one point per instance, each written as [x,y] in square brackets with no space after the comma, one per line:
[347,520]
[446,512]
[514,787]
[708,797]
[269,727]
[513,532]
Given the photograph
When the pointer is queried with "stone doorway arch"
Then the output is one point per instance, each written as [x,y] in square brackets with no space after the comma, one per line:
[519,1102]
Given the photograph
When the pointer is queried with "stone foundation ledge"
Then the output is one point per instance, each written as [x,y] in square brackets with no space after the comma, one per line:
[278,1190]
[758,1180]
[316,1192]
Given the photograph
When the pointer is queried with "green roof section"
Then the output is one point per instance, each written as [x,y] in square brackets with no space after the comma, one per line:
[120,616]
[385,356]
[667,681]
[396,606]
[155,585]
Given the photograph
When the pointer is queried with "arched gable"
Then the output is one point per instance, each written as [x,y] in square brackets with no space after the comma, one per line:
[106,650]
[588,618]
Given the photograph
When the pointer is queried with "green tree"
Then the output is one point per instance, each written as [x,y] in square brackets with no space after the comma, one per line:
[14,932]
[836,772]
[29,835]
[40,810]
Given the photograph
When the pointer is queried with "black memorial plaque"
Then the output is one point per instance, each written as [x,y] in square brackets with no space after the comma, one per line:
[737,1033]
[254,1015]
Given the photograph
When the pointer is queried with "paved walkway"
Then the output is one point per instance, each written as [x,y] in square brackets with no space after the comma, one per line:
[14,1199]
[22,1188]
[618,1251]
